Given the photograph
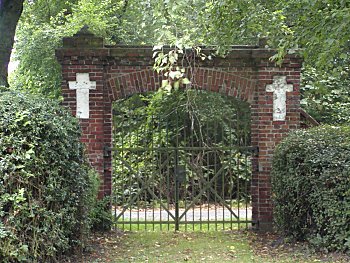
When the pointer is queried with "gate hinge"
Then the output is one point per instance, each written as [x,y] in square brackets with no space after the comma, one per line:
[255,150]
[106,151]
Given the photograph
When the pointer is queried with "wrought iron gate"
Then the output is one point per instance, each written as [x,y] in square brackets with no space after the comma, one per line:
[170,174]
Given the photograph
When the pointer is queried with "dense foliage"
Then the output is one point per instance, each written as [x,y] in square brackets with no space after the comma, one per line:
[47,187]
[326,95]
[311,182]
[319,27]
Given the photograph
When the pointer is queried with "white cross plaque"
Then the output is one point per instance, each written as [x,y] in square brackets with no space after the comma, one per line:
[279,87]
[82,85]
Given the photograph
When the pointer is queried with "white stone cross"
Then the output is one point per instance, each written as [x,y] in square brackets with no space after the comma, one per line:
[82,85]
[279,87]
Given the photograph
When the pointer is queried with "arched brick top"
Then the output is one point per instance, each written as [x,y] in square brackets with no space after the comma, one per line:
[124,84]
[223,81]
[231,82]
[246,73]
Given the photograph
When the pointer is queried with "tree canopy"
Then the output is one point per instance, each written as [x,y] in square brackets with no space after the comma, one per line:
[318,29]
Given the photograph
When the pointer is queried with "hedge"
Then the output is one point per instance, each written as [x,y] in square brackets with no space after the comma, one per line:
[47,187]
[311,185]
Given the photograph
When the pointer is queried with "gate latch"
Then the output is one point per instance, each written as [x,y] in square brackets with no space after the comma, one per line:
[180,172]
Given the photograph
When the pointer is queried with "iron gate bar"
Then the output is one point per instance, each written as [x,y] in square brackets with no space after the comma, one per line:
[197,198]
[150,198]
[144,187]
[207,186]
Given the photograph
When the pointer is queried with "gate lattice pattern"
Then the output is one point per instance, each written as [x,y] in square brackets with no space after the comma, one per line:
[172,172]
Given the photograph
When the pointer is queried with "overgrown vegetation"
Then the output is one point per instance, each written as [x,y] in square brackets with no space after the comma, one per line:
[326,94]
[311,182]
[47,188]
[101,218]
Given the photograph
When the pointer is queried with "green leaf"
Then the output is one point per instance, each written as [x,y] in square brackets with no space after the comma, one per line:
[186,81]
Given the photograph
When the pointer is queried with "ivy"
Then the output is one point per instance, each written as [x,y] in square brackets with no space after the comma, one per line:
[47,186]
[311,182]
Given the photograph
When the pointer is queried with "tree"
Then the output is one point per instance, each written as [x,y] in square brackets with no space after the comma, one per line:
[43,25]
[10,12]
[317,28]
[326,94]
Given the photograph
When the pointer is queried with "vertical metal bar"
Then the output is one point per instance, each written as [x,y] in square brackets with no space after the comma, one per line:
[238,191]
[200,161]
[123,174]
[130,186]
[160,173]
[137,169]
[223,176]
[208,172]
[168,192]
[175,179]
[160,190]
[176,194]
[152,170]
[246,189]
[146,176]
[184,186]
[192,153]
[114,196]
[230,172]
[114,207]
[239,143]
[215,171]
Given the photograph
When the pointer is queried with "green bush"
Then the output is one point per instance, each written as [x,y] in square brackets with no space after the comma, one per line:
[101,216]
[46,184]
[311,184]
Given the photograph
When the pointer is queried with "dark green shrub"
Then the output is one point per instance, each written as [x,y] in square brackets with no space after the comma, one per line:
[101,216]
[311,184]
[46,184]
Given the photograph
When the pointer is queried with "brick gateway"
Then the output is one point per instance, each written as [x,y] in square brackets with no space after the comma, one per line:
[95,75]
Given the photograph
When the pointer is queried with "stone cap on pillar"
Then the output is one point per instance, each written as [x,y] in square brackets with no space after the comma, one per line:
[83,39]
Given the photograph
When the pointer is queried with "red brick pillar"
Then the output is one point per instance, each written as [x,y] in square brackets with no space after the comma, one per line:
[83,59]
[269,127]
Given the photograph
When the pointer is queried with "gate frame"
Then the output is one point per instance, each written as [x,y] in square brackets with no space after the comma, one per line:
[120,71]
[178,159]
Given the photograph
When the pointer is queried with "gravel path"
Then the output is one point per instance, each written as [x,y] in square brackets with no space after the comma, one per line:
[196,214]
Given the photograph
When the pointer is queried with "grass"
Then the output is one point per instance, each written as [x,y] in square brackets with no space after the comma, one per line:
[214,246]
[180,247]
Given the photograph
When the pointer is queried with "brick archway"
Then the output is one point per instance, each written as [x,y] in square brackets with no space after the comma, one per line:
[122,84]
[102,74]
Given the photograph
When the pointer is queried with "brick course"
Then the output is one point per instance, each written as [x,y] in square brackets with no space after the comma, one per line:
[120,71]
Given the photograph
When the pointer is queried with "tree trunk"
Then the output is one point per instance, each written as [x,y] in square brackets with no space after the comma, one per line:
[10,12]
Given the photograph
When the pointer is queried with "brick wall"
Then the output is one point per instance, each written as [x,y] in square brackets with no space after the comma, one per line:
[120,71]
[267,133]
